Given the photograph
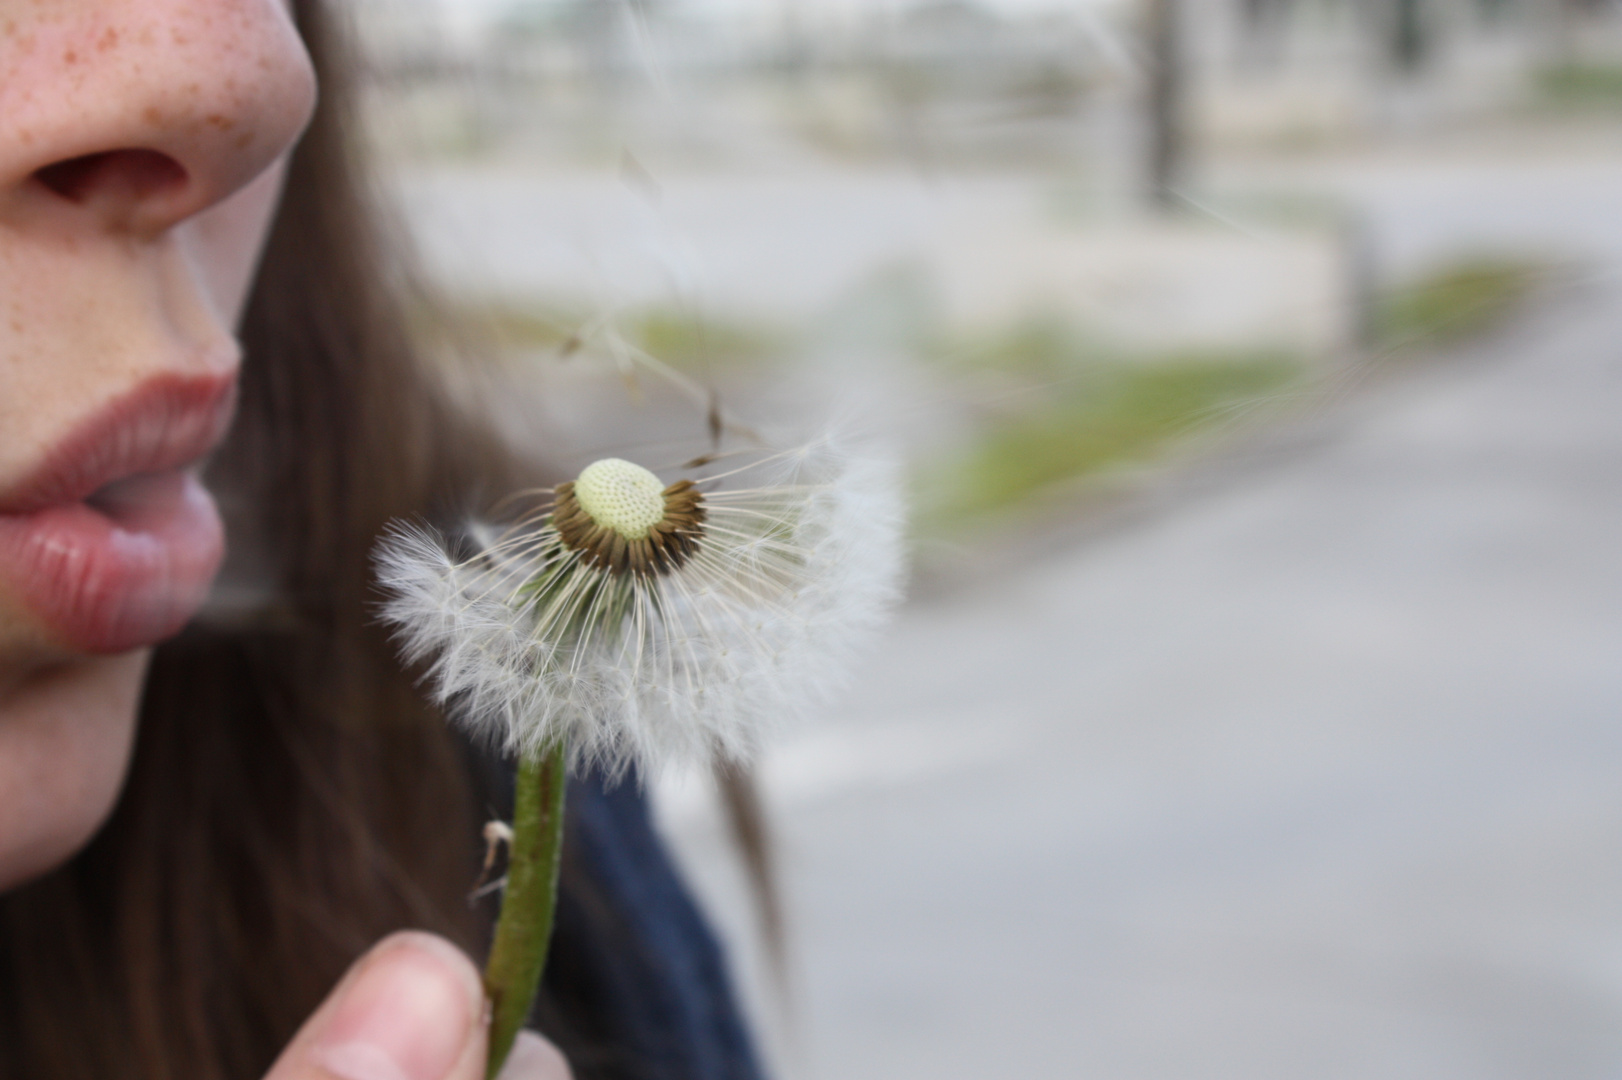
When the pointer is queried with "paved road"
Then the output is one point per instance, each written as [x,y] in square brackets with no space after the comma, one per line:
[796,250]
[1313,771]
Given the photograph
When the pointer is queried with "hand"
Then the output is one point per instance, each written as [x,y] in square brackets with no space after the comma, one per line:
[411,1009]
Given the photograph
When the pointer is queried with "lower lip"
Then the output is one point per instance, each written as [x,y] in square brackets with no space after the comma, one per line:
[124,569]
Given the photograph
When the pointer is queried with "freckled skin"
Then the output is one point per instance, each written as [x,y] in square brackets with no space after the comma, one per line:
[132,275]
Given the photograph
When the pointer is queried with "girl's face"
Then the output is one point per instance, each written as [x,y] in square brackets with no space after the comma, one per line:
[141,151]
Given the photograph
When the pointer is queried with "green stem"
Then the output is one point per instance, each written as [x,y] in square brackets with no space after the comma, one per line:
[518,953]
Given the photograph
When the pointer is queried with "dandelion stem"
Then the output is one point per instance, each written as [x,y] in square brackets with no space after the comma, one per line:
[518,953]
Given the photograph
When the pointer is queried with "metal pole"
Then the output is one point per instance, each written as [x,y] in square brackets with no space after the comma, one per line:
[1409,41]
[1167,137]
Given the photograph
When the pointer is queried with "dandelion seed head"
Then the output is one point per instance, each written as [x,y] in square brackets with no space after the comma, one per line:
[620,519]
[745,603]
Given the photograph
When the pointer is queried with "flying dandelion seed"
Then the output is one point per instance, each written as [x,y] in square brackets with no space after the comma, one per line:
[640,622]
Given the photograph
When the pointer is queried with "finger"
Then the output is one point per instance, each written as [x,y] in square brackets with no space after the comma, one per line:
[411,1009]
[533,1058]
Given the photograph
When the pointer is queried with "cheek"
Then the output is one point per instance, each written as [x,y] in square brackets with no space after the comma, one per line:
[65,740]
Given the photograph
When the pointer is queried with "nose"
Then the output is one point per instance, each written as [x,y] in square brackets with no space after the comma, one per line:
[134,115]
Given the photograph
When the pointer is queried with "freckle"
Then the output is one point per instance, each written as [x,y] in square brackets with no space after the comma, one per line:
[151,115]
[70,57]
[108,40]
[244,139]
[224,123]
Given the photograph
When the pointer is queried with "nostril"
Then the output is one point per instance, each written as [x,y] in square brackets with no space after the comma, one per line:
[126,175]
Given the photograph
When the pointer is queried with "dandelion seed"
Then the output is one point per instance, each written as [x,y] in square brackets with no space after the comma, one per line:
[641,622]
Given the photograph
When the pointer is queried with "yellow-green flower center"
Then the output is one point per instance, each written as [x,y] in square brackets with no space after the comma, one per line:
[621,496]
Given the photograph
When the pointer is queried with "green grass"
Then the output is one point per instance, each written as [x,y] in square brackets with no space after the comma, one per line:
[1105,416]
[1040,349]
[1583,85]
[684,340]
[1456,302]
[690,343]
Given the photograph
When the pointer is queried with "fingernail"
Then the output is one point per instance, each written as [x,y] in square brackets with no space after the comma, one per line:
[533,1058]
[406,1015]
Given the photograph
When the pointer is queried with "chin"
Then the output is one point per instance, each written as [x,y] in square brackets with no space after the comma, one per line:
[66,731]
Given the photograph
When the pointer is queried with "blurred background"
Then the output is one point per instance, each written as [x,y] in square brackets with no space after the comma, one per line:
[1257,711]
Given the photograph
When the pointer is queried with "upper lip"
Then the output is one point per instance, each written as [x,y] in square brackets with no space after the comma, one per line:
[164,423]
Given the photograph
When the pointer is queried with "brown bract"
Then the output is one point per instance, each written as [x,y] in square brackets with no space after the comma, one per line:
[668,545]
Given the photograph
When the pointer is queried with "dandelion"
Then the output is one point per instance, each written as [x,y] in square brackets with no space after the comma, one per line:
[629,622]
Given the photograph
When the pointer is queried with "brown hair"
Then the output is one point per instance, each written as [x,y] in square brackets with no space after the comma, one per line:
[291,800]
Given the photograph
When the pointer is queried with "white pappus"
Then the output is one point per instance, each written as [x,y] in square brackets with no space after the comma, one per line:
[645,623]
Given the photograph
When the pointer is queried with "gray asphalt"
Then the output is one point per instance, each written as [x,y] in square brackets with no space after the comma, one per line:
[1310,769]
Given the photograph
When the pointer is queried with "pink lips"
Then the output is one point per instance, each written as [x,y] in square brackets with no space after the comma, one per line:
[112,542]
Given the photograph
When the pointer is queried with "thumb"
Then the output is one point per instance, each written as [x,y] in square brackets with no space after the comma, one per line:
[411,1009]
